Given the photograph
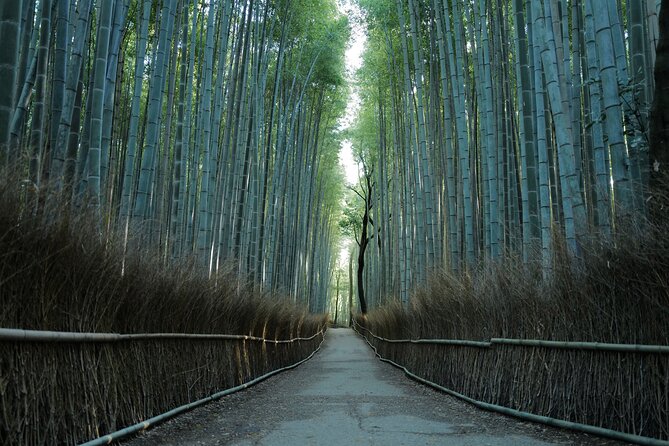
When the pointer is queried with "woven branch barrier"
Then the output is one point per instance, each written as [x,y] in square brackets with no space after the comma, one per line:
[615,390]
[68,388]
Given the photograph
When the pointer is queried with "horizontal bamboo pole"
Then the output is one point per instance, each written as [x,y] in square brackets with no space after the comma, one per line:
[460,342]
[570,345]
[151,422]
[595,430]
[601,346]
[19,335]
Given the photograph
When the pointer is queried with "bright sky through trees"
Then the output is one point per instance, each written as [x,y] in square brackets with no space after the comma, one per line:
[353,61]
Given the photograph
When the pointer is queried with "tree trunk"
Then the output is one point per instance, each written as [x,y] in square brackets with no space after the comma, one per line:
[363,242]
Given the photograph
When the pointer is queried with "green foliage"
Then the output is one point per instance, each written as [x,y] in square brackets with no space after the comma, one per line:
[380,14]
[350,221]
[329,69]
[364,135]
[317,32]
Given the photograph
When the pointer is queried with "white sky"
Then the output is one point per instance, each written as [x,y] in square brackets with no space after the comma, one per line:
[354,51]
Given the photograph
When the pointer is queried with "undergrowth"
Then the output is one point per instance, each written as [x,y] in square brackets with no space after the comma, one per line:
[614,292]
[59,273]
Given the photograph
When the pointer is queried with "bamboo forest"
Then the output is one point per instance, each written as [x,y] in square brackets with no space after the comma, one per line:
[194,194]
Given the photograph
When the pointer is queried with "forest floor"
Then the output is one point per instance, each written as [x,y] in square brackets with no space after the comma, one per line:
[345,396]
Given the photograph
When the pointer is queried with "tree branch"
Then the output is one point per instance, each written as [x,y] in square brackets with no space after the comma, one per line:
[358,194]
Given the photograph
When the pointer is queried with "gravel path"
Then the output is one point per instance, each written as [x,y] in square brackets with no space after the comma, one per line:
[345,396]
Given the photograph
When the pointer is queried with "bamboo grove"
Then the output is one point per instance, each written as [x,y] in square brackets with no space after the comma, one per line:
[493,128]
[208,128]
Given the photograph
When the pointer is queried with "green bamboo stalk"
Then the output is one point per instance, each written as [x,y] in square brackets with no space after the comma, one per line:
[10,21]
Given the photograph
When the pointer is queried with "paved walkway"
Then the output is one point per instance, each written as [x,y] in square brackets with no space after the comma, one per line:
[345,396]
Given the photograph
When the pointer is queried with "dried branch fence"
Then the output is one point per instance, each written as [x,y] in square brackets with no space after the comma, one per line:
[615,390]
[67,388]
